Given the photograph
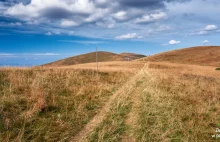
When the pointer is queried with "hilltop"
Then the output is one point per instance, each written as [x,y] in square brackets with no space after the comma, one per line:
[91,57]
[200,55]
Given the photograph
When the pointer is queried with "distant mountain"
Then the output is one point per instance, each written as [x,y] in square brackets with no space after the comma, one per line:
[91,57]
[200,55]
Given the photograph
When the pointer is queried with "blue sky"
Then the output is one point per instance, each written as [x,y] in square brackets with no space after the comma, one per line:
[34,32]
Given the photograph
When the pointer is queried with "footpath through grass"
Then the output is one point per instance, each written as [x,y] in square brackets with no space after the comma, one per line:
[171,106]
[174,103]
[113,128]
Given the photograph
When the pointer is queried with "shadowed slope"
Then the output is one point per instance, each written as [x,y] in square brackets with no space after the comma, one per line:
[132,56]
[201,55]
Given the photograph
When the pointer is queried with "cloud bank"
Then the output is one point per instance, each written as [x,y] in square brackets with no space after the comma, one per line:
[147,20]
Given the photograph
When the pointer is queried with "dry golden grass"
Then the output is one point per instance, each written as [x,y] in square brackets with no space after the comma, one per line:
[170,102]
[39,104]
[179,103]
[174,102]
[121,66]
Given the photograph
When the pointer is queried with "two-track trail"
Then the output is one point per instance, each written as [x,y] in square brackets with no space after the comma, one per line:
[135,97]
[126,93]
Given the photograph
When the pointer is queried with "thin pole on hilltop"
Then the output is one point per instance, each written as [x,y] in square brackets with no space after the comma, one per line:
[97,63]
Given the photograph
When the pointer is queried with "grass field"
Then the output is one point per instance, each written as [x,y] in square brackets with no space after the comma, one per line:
[179,103]
[51,104]
[129,101]
[164,102]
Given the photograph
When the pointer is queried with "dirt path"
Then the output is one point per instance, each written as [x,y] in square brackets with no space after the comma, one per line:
[131,120]
[81,136]
[125,89]
[132,117]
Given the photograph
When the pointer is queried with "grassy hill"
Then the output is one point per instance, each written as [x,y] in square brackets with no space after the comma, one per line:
[91,57]
[132,55]
[201,55]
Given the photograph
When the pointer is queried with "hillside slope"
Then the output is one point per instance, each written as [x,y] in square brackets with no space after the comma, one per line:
[91,57]
[201,55]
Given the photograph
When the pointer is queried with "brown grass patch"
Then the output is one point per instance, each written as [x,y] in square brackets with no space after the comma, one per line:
[180,103]
[40,104]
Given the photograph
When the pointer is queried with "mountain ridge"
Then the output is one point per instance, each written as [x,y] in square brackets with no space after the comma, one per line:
[103,56]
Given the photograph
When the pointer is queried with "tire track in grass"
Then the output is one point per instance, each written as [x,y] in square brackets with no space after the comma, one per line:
[132,117]
[112,113]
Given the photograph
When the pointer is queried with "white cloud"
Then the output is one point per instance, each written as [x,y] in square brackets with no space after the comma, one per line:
[200,33]
[162,28]
[16,24]
[71,33]
[68,23]
[151,18]
[107,23]
[205,42]
[210,27]
[207,30]
[173,42]
[13,24]
[83,42]
[27,54]
[45,54]
[48,34]
[99,14]
[92,16]
[47,10]
[128,36]
[57,32]
[6,54]
[86,15]
[121,15]
[35,8]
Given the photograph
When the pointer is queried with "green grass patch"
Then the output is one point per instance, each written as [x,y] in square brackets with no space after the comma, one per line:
[218,69]
[113,127]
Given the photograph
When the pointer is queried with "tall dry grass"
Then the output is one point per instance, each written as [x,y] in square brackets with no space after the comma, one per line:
[179,103]
[40,104]
[115,66]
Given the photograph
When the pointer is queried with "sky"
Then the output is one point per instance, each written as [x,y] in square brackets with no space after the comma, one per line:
[34,32]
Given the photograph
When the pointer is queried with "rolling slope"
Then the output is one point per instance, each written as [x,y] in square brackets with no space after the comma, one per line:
[201,55]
